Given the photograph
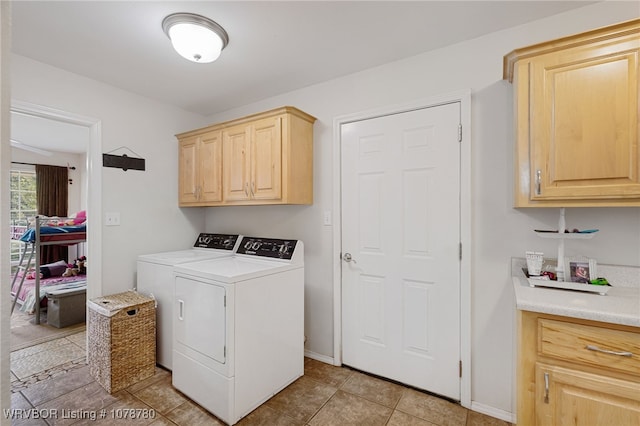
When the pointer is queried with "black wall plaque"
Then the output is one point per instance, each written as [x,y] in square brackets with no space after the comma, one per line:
[123,162]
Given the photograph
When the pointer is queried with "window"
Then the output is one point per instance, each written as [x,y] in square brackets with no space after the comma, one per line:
[23,206]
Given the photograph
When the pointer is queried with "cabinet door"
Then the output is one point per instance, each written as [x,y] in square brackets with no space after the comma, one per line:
[188,170]
[266,159]
[570,397]
[210,165]
[584,122]
[236,163]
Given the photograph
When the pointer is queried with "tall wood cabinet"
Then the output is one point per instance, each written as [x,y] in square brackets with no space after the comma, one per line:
[265,158]
[577,372]
[577,119]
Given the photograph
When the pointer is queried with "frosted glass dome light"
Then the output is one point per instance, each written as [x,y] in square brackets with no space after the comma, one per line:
[195,37]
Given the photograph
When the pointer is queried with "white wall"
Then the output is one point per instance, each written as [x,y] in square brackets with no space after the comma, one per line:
[146,200]
[151,220]
[498,231]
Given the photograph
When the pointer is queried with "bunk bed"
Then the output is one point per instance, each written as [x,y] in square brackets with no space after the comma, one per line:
[44,231]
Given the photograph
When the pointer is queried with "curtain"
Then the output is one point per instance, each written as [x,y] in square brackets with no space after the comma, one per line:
[52,199]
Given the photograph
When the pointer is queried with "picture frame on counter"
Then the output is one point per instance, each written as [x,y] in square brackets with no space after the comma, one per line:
[580,269]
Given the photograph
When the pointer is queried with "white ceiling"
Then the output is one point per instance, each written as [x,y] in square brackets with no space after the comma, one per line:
[274,47]
[48,135]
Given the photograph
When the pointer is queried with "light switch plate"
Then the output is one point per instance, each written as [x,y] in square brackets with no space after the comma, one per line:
[112,219]
[326,218]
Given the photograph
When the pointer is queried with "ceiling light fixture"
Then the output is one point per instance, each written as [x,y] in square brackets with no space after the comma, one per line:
[195,37]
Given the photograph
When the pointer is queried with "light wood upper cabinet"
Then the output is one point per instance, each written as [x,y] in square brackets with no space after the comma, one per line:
[267,158]
[237,163]
[577,372]
[253,160]
[577,119]
[200,169]
[188,172]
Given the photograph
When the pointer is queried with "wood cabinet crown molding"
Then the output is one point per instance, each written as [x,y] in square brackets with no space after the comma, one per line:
[249,118]
[577,119]
[589,37]
[263,158]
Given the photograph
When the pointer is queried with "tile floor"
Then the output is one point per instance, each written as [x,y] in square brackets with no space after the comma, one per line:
[54,376]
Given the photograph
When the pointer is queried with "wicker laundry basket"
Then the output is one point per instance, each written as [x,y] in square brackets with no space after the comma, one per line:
[122,339]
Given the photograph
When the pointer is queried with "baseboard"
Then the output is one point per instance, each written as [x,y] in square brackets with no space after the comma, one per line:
[318,357]
[493,412]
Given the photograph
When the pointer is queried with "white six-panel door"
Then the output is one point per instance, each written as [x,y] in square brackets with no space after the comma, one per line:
[400,247]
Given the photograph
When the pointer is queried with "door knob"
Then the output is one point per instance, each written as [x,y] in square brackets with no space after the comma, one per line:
[347,258]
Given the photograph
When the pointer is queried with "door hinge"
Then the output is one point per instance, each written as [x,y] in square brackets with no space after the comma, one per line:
[459,132]
[460,251]
[460,368]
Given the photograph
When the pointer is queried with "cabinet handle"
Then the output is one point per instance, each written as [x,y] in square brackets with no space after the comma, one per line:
[253,189]
[604,351]
[181,310]
[246,189]
[546,388]
[538,182]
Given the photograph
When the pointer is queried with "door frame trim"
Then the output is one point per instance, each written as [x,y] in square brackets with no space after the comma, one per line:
[94,182]
[464,98]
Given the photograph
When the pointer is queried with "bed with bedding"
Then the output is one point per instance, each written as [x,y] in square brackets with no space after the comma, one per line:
[28,287]
[26,295]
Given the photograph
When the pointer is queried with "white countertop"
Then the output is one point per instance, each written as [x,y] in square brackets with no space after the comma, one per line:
[621,305]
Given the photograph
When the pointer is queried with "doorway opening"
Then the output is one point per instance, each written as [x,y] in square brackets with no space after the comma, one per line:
[90,167]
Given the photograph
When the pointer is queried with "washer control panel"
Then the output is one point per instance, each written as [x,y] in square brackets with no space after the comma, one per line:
[267,247]
[216,241]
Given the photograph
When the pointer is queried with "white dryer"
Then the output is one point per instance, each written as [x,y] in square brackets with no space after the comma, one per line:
[239,326]
[155,277]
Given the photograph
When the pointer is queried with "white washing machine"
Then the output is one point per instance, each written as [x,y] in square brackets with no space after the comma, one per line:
[155,277]
[239,326]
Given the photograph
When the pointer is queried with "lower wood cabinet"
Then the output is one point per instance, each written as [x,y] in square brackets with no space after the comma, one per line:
[572,397]
[577,372]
